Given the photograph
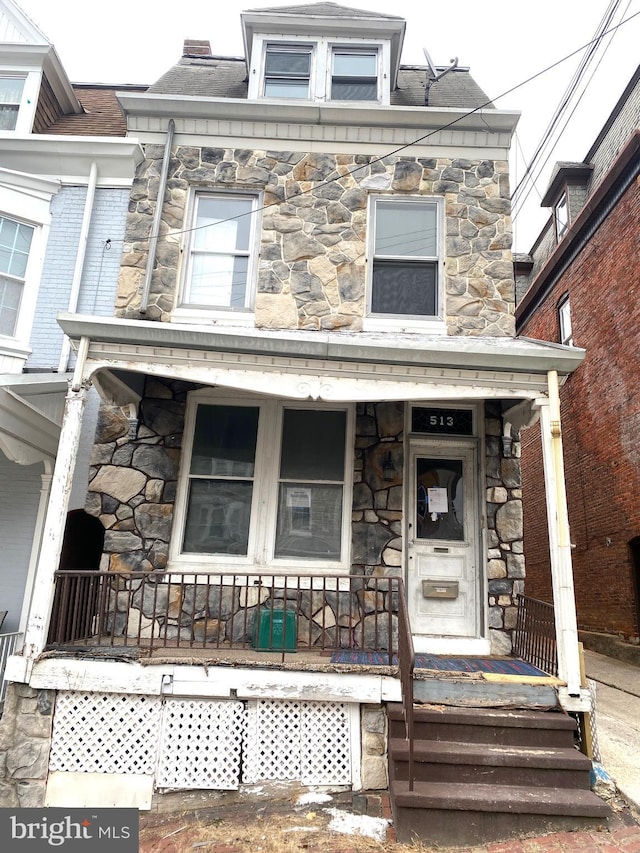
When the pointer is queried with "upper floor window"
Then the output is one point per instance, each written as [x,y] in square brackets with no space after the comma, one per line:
[219,266]
[265,478]
[15,243]
[320,70]
[564,322]
[10,97]
[561,216]
[406,262]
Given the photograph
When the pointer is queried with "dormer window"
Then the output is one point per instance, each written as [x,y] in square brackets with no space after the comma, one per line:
[324,69]
[561,216]
[287,71]
[11,89]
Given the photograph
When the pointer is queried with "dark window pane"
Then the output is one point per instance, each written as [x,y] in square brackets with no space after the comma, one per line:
[309,521]
[354,90]
[404,288]
[218,515]
[286,63]
[446,475]
[313,445]
[224,442]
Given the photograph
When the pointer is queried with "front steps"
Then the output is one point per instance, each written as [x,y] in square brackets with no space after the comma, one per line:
[483,775]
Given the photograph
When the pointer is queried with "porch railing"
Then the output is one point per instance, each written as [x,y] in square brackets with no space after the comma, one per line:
[406,662]
[8,645]
[534,638]
[206,610]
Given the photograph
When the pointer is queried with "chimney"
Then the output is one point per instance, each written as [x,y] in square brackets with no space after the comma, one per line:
[195,47]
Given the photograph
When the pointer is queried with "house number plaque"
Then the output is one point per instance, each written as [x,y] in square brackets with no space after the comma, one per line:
[442,421]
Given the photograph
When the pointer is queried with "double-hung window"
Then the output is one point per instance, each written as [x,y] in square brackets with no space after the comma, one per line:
[564,321]
[219,268]
[561,216]
[264,482]
[354,74]
[11,89]
[287,71]
[15,243]
[405,258]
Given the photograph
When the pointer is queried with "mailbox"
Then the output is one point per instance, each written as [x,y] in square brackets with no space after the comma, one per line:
[439,589]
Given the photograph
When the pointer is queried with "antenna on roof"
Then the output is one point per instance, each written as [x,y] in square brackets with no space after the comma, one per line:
[433,76]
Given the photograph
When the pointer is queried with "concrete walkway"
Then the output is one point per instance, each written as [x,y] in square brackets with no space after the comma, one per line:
[618,721]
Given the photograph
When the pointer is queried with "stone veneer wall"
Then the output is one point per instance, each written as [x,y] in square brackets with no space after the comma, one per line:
[25,742]
[313,233]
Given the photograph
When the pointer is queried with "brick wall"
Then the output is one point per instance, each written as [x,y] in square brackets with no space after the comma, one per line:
[601,425]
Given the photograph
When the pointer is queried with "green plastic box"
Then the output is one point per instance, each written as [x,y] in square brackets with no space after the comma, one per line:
[275,631]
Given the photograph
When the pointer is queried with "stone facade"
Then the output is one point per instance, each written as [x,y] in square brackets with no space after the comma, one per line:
[313,228]
[25,742]
[374,765]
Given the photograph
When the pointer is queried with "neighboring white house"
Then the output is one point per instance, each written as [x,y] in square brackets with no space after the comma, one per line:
[308,443]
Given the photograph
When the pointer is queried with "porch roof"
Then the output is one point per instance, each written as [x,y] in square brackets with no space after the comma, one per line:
[30,412]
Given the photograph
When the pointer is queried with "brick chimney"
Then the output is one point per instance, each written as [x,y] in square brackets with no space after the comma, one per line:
[195,47]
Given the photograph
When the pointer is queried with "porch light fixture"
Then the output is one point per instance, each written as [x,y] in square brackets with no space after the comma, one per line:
[388,468]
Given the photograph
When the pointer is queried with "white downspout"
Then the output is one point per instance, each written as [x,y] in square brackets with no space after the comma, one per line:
[42,597]
[74,296]
[559,540]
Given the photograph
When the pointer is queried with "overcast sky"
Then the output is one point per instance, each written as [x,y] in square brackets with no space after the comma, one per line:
[503,42]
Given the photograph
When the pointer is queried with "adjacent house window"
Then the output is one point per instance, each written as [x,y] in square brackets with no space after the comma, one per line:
[219,268]
[354,75]
[10,98]
[15,243]
[564,322]
[561,216]
[266,479]
[405,258]
[287,71]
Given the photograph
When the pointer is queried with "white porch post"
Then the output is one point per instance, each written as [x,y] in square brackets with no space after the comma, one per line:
[42,597]
[559,539]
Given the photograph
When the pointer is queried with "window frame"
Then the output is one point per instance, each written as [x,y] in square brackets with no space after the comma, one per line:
[186,311]
[19,280]
[28,98]
[565,324]
[407,322]
[561,220]
[354,50]
[288,47]
[320,78]
[266,482]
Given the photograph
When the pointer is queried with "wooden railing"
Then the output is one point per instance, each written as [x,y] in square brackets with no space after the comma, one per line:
[406,663]
[209,610]
[534,638]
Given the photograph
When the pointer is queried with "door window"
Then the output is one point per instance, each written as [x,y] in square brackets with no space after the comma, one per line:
[439,510]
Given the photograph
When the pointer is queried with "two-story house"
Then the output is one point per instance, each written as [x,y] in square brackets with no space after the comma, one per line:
[306,464]
[66,170]
[591,239]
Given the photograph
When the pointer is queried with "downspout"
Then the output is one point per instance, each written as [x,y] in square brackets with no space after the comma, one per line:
[560,543]
[74,297]
[157,218]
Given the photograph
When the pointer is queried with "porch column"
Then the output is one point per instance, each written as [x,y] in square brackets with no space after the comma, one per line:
[42,597]
[45,492]
[559,539]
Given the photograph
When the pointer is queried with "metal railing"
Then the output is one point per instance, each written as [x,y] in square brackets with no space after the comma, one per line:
[534,638]
[8,645]
[406,663]
[212,610]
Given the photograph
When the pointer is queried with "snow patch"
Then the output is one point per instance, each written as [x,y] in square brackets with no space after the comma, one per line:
[313,797]
[351,824]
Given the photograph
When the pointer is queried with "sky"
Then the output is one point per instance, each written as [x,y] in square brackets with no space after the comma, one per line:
[502,42]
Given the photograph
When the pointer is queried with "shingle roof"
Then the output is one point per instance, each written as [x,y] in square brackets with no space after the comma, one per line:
[223,77]
[325,10]
[102,114]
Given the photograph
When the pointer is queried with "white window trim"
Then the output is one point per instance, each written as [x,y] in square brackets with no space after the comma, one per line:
[406,323]
[29,100]
[264,505]
[561,226]
[184,312]
[27,200]
[321,65]
[564,320]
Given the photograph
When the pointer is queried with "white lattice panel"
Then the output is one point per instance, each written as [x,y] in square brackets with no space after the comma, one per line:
[200,744]
[305,741]
[105,733]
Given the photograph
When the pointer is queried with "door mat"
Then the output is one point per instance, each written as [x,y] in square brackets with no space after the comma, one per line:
[443,663]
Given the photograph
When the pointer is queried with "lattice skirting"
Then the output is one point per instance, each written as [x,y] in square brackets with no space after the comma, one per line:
[205,743]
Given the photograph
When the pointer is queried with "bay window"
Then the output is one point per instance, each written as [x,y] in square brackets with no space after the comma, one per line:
[264,482]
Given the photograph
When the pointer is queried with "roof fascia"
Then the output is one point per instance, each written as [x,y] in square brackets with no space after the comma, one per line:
[505,354]
[422,118]
[571,242]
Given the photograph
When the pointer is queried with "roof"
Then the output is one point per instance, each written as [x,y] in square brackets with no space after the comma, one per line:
[101,113]
[226,77]
[325,10]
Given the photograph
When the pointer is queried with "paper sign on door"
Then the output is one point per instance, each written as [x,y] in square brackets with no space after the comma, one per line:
[437,500]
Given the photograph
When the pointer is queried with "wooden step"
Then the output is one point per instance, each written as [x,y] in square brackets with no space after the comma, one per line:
[486,725]
[447,761]
[448,813]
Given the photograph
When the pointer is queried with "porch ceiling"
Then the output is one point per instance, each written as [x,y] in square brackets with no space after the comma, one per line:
[340,366]
[27,433]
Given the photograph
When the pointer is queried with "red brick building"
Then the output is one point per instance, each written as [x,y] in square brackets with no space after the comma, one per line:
[580,286]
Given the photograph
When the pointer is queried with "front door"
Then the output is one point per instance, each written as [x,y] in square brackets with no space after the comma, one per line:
[442,545]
